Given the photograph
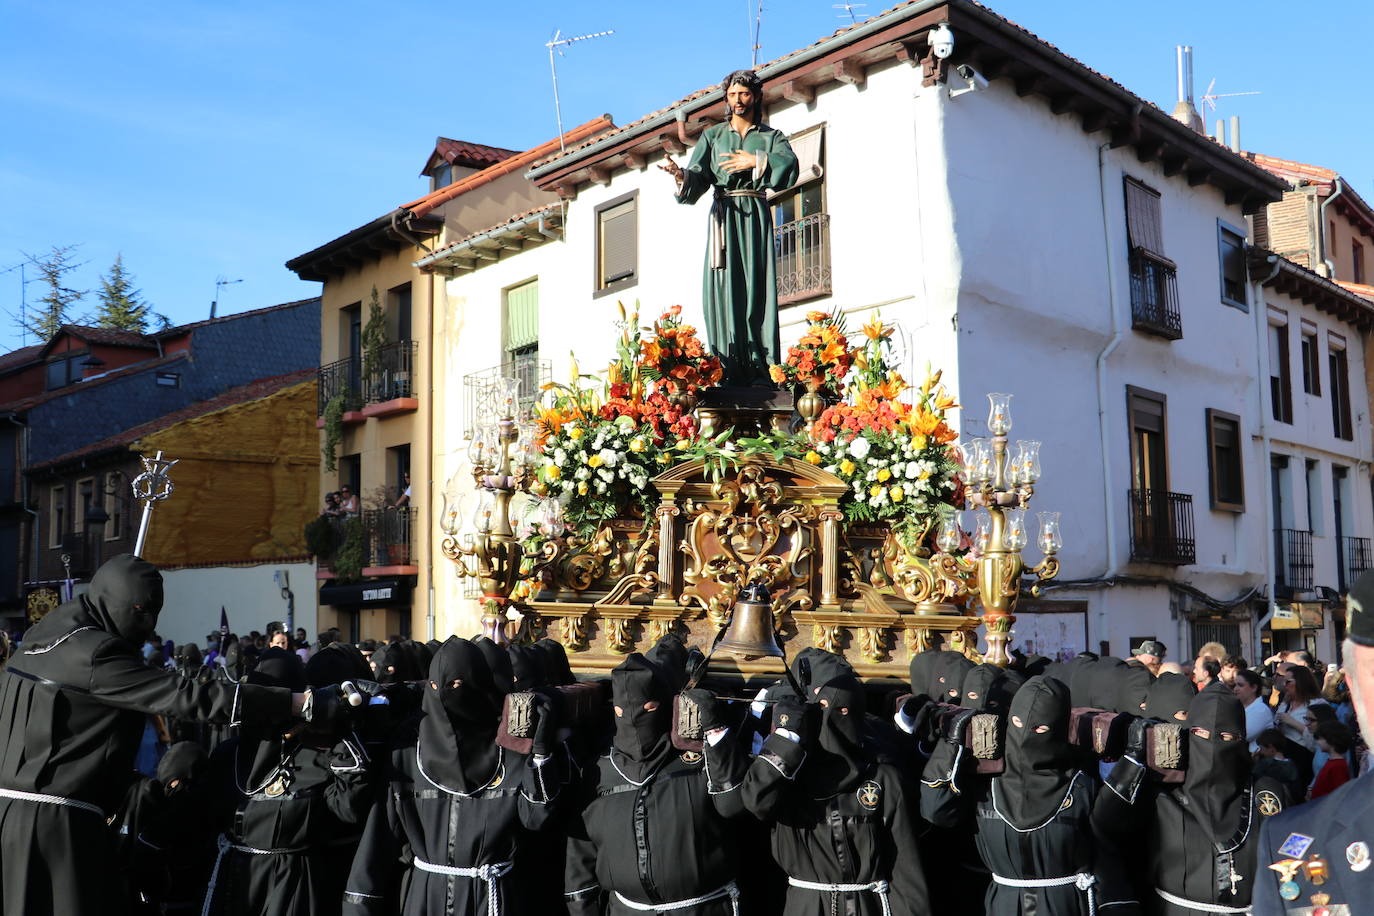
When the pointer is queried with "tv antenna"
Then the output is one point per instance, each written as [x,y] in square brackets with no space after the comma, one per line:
[849,9]
[220,283]
[1209,98]
[756,26]
[556,44]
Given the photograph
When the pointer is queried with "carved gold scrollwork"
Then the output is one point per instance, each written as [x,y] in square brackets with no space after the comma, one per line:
[572,632]
[873,643]
[966,643]
[619,635]
[826,637]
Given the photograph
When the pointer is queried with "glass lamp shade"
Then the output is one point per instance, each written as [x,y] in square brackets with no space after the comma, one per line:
[1051,539]
[551,518]
[999,413]
[969,452]
[984,469]
[1014,530]
[507,392]
[477,445]
[950,534]
[982,533]
[486,506]
[451,519]
[1028,461]
[491,447]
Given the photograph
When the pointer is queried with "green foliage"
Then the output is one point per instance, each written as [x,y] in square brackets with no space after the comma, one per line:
[54,306]
[333,430]
[121,305]
[722,452]
[320,539]
[350,556]
[374,336]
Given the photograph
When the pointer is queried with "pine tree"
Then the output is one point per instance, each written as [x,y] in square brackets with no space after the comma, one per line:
[120,304]
[54,306]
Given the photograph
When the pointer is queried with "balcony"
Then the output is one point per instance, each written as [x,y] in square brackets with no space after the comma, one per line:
[1154,295]
[388,385]
[478,405]
[388,536]
[341,378]
[803,258]
[1293,559]
[1162,527]
[1356,559]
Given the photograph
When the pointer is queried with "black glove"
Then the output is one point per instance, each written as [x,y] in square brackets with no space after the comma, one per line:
[546,726]
[367,689]
[325,707]
[708,710]
[794,715]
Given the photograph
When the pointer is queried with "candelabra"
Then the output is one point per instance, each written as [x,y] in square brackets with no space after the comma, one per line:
[485,546]
[1000,490]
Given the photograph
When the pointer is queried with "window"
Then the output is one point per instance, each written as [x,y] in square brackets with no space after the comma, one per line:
[64,370]
[85,498]
[1311,365]
[1161,522]
[57,516]
[1339,372]
[442,175]
[1225,461]
[1154,278]
[114,506]
[168,379]
[1231,252]
[617,244]
[1149,461]
[1356,261]
[1315,522]
[1280,381]
[398,300]
[801,235]
[522,337]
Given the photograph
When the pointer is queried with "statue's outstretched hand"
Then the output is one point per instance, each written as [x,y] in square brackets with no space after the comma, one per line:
[672,168]
[738,161]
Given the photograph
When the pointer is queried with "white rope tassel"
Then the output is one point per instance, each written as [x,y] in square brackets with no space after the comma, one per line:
[1084,881]
[880,888]
[730,890]
[491,874]
[1202,907]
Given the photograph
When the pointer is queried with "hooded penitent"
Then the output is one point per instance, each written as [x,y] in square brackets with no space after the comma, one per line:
[527,668]
[336,663]
[498,662]
[1170,696]
[988,688]
[457,748]
[922,672]
[556,668]
[261,747]
[838,762]
[1075,675]
[947,678]
[124,600]
[182,768]
[1103,683]
[641,741]
[1218,778]
[815,667]
[1133,689]
[233,659]
[1038,760]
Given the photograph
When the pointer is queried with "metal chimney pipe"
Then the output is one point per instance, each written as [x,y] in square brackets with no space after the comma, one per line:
[1221,132]
[1235,133]
[1185,80]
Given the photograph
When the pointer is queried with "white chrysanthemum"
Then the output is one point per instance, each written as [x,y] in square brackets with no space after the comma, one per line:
[609,457]
[605,474]
[859,447]
[583,473]
[600,487]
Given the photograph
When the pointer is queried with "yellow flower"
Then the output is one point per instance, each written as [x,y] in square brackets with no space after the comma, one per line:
[553,472]
[847,467]
[897,494]
[637,444]
[923,474]
[683,445]
[777,374]
[664,458]
[875,490]
[884,475]
[594,461]
[813,458]
[582,488]
[576,433]
[918,442]
[816,317]
[538,489]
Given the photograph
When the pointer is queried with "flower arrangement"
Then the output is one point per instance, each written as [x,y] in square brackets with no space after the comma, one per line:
[821,358]
[676,357]
[598,468]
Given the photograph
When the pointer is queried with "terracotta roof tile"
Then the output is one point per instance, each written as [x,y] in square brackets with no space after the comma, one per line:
[253,391]
[1359,289]
[17,359]
[1292,169]
[462,152]
[519,217]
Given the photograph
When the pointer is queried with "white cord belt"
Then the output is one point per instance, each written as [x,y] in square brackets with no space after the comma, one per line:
[1083,881]
[491,874]
[877,887]
[1201,907]
[50,800]
[225,844]
[729,890]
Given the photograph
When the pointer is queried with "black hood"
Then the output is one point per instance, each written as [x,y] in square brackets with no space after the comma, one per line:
[184,763]
[1038,766]
[641,736]
[278,667]
[125,598]
[922,671]
[1104,682]
[556,667]
[527,668]
[233,659]
[1170,694]
[336,663]
[989,688]
[838,764]
[813,668]
[458,731]
[498,662]
[1215,786]
[947,678]
[1133,690]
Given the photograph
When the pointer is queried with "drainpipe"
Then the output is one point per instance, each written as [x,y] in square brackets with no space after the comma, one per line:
[1262,373]
[429,483]
[1324,259]
[1109,500]
[403,232]
[24,493]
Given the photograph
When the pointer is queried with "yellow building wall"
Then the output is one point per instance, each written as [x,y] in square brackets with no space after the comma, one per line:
[247,481]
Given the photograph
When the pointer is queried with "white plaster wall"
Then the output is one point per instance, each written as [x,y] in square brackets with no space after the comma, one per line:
[249,593]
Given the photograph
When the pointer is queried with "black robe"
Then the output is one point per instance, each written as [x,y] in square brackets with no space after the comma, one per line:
[72,708]
[308,807]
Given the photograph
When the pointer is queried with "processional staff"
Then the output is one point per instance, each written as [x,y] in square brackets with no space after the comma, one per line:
[152,486]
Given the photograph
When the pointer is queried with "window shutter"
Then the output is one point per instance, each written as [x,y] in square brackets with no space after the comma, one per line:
[1143,223]
[522,315]
[619,242]
[807,147]
[1147,414]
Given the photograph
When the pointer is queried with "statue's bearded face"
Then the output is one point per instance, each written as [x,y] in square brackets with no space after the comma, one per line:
[740,100]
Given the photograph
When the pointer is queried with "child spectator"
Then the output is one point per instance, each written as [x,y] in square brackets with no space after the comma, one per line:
[1335,739]
[1270,760]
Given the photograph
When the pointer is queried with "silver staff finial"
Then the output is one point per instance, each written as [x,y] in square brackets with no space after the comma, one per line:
[152,486]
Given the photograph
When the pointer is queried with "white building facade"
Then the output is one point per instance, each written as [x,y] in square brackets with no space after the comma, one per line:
[1033,228]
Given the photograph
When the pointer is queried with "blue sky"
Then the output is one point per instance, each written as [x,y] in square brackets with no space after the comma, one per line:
[219,139]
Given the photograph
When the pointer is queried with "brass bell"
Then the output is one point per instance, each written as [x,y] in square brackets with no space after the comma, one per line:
[750,633]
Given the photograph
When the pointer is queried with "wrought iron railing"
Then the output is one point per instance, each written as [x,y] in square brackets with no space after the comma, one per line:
[340,378]
[1356,558]
[1162,527]
[1293,558]
[534,374]
[1154,295]
[389,534]
[803,258]
[391,373]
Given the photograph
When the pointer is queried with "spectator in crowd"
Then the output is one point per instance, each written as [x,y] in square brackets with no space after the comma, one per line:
[1272,760]
[348,501]
[367,647]
[302,645]
[1149,655]
[1335,740]
[1229,666]
[277,637]
[332,508]
[1206,671]
[1336,692]
[403,499]
[1299,691]
[1213,650]
[1258,715]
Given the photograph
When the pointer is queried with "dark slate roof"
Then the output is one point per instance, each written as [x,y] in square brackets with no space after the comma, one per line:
[253,391]
[112,337]
[224,353]
[18,359]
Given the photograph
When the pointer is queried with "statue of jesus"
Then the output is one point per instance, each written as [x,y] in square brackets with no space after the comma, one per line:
[741,160]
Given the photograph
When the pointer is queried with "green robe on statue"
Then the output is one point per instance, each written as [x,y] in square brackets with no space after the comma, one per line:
[740,293]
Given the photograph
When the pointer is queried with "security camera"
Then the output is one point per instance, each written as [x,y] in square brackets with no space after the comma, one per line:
[971,76]
[941,41]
